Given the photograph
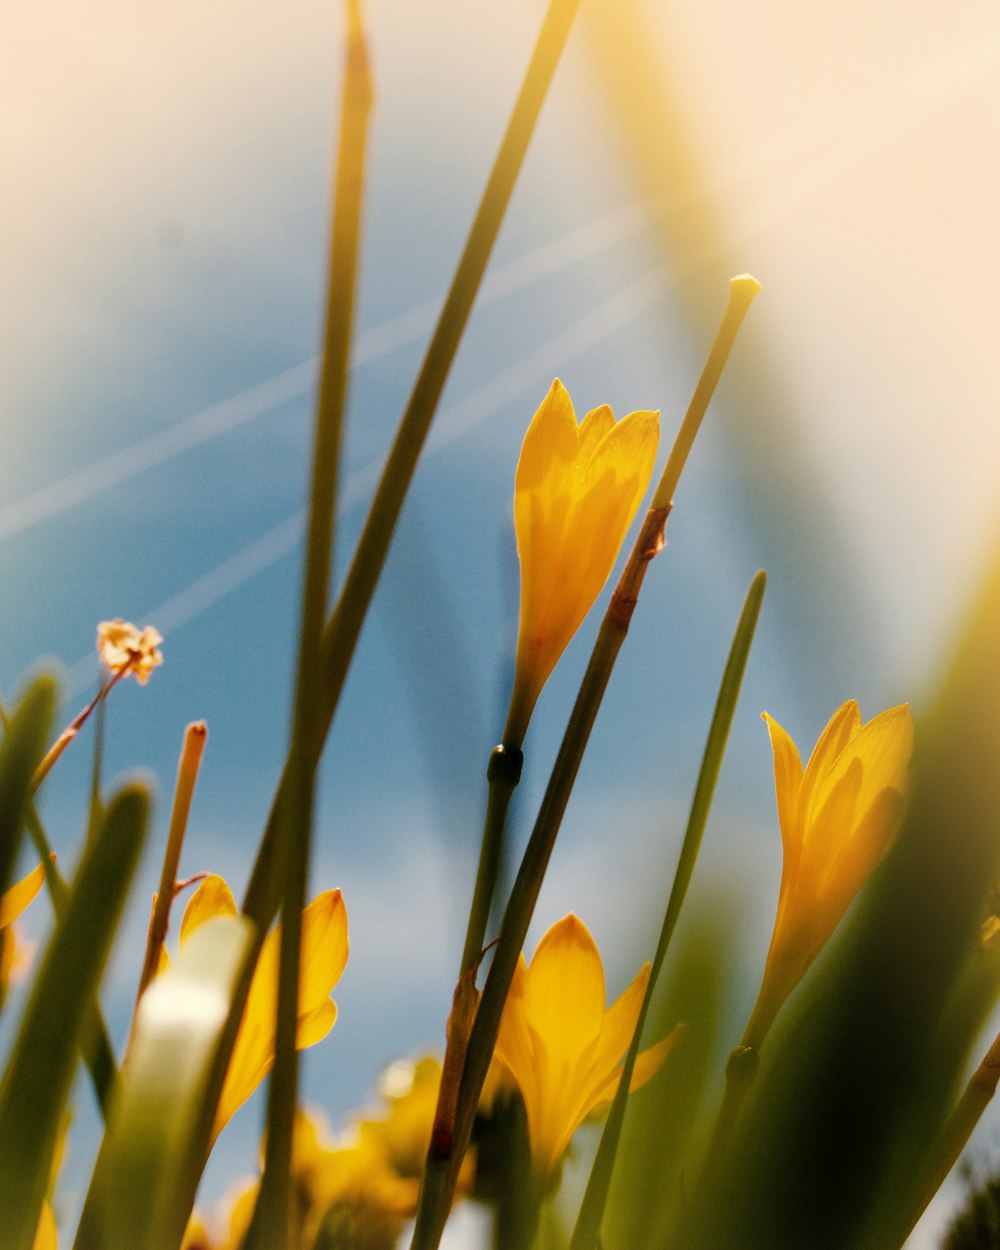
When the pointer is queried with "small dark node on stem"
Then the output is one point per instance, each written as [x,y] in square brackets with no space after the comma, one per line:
[505,765]
[620,609]
[440,1147]
[742,1064]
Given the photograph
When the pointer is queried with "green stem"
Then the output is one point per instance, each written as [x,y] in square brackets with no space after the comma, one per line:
[195,736]
[588,1224]
[503,775]
[442,1167]
[742,291]
[956,1133]
[272,1218]
[741,1069]
[344,626]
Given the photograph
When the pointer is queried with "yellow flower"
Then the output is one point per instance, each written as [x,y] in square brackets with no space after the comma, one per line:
[559,1043]
[46,1235]
[120,643]
[324,955]
[14,952]
[576,491]
[350,1188]
[410,1091]
[838,817]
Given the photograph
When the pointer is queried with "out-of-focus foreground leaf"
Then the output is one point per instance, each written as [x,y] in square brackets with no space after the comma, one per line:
[147,1172]
[826,1150]
[38,1078]
[24,740]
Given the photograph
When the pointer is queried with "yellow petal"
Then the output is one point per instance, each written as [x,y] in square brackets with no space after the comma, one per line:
[619,1022]
[787,780]
[628,452]
[647,1063]
[17,898]
[324,949]
[840,729]
[515,1046]
[46,1235]
[883,747]
[595,425]
[314,1025]
[212,898]
[564,989]
[551,444]
[324,954]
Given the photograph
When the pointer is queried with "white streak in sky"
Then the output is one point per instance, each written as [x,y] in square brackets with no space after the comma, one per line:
[237,410]
[776,204]
[484,402]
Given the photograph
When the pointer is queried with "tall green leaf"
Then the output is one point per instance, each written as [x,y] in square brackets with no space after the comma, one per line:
[38,1078]
[26,734]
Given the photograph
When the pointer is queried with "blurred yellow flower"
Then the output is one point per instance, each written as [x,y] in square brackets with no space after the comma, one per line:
[46,1235]
[15,953]
[838,817]
[121,644]
[576,491]
[349,1189]
[324,955]
[560,1044]
[410,1091]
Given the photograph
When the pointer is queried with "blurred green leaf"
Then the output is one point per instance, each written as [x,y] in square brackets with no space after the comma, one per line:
[586,1233]
[38,1077]
[146,1175]
[829,1130]
[25,737]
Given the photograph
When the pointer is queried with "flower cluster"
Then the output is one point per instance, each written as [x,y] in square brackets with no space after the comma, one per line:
[125,648]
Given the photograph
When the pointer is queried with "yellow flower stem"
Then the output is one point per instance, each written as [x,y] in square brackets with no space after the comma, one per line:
[441,1171]
[741,1068]
[955,1135]
[271,1223]
[95,1041]
[74,727]
[587,1231]
[344,625]
[192,748]
[503,774]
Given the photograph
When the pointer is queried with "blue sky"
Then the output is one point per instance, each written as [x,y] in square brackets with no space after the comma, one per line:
[166,247]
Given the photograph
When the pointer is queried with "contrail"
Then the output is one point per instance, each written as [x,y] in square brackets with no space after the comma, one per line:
[237,410]
[455,421]
[927,92]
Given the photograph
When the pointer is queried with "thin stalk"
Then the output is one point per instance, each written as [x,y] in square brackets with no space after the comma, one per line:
[442,1167]
[503,774]
[741,1069]
[74,727]
[95,812]
[193,746]
[272,1218]
[588,1224]
[344,625]
[956,1133]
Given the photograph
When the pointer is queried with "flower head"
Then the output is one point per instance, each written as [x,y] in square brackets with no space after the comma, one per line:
[324,955]
[577,488]
[838,817]
[561,1045]
[121,645]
